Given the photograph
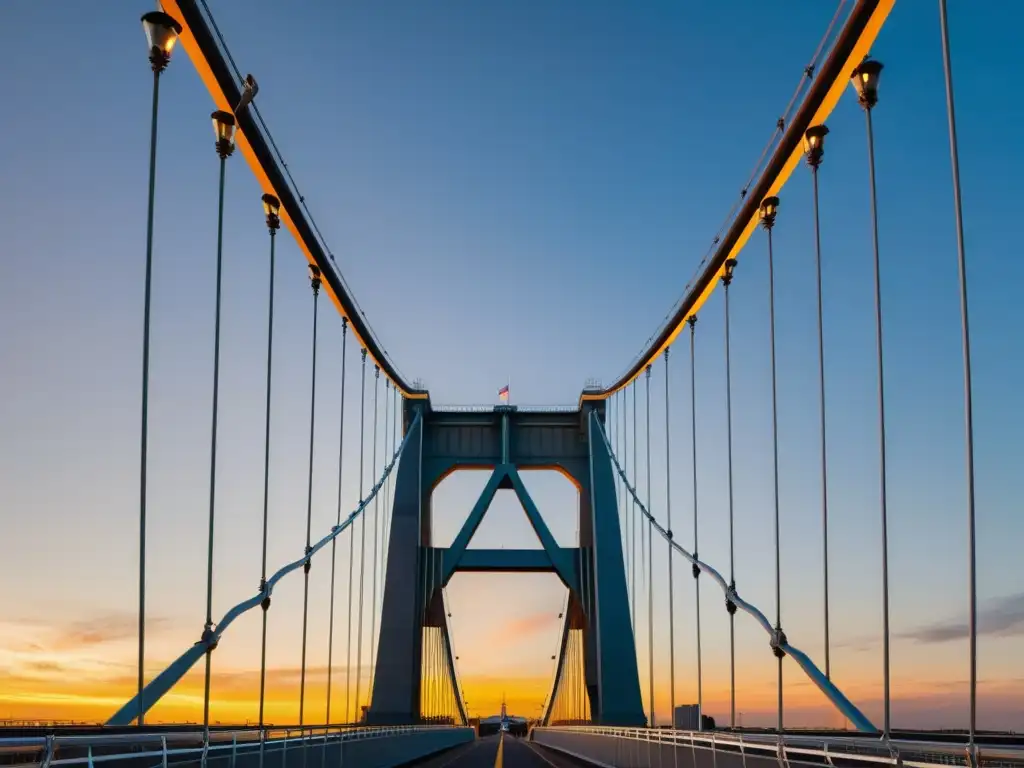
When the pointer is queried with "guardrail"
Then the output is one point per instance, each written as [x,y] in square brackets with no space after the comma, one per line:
[234,749]
[515,408]
[608,746]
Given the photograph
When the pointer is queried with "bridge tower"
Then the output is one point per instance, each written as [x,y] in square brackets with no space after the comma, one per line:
[504,441]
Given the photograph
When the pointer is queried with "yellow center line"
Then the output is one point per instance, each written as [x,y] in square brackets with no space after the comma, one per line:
[499,759]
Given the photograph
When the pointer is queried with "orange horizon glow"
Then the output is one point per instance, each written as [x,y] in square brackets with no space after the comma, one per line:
[52,691]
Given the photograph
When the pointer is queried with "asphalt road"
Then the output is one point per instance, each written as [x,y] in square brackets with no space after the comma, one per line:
[499,752]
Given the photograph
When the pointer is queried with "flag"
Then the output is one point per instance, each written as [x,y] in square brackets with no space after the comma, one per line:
[503,394]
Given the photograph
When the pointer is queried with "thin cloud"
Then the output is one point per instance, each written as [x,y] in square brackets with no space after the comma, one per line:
[1003,617]
[56,635]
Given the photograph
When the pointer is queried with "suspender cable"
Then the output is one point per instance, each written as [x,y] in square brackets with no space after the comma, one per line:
[348,644]
[671,594]
[814,150]
[224,124]
[650,559]
[632,513]
[159,59]
[362,531]
[730,606]
[696,570]
[865,80]
[386,489]
[625,517]
[314,280]
[341,456]
[271,206]
[376,517]
[769,208]
[966,353]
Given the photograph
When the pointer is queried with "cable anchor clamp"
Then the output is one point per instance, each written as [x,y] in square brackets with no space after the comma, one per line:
[778,640]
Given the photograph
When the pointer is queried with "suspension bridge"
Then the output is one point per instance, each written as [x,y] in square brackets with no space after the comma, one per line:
[388,608]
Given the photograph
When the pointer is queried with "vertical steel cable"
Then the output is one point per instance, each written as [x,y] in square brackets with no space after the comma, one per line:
[376,517]
[671,593]
[633,511]
[625,454]
[208,627]
[314,281]
[881,426]
[348,644]
[266,475]
[730,606]
[966,354]
[396,430]
[650,558]
[341,456]
[386,489]
[144,425]
[775,455]
[696,570]
[821,402]
[362,531]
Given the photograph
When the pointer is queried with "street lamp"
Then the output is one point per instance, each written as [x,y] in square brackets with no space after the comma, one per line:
[865,82]
[767,212]
[162,33]
[814,144]
[271,209]
[224,128]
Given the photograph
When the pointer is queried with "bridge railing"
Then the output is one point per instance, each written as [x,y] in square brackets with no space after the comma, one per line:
[490,408]
[234,748]
[648,746]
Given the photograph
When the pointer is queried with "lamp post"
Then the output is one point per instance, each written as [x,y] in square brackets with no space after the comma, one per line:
[162,33]
[865,82]
[271,210]
[767,212]
[814,150]
[224,129]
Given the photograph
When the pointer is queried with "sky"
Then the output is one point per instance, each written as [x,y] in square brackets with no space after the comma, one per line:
[514,192]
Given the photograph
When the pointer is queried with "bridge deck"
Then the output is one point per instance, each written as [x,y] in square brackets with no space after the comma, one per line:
[484,753]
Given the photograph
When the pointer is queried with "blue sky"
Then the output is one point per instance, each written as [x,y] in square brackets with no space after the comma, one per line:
[512,191]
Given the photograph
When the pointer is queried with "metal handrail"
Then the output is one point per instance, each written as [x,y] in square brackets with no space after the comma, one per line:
[480,408]
[168,744]
[904,752]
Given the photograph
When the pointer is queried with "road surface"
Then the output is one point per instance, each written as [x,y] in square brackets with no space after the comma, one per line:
[499,752]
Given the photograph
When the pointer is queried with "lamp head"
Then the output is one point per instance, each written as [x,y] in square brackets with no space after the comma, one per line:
[769,208]
[314,278]
[814,144]
[162,32]
[272,209]
[224,129]
[865,82]
[730,265]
